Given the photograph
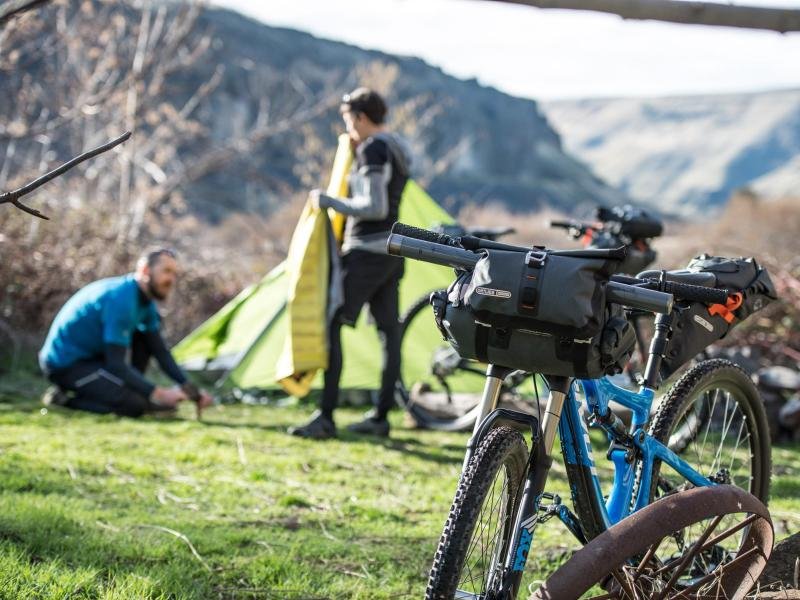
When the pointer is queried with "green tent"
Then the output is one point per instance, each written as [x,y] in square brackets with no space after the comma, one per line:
[245,338]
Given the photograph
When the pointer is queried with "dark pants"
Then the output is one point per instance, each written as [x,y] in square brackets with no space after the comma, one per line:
[367,278]
[93,388]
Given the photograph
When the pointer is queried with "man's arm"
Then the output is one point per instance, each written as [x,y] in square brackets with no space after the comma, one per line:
[370,190]
[163,356]
[116,364]
[370,202]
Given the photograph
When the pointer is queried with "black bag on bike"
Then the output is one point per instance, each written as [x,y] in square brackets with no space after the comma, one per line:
[635,223]
[696,325]
[540,311]
[638,256]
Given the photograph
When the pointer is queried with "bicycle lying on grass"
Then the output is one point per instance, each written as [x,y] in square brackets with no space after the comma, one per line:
[517,307]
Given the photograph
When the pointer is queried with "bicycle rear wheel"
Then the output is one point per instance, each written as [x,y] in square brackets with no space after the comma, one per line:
[479,529]
[431,385]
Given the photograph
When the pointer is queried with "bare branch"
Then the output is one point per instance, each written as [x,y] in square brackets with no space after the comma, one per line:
[679,11]
[221,155]
[14,196]
[12,8]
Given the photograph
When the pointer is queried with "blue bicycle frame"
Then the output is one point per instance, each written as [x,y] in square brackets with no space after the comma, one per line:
[577,451]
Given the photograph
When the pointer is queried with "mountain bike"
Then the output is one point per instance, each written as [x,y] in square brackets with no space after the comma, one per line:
[501,495]
[434,400]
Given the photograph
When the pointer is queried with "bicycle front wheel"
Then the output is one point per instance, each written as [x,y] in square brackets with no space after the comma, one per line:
[479,529]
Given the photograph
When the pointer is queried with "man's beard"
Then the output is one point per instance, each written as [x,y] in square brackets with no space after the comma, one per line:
[154,292]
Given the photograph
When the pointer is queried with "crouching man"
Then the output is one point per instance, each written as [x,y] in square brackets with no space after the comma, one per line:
[100,342]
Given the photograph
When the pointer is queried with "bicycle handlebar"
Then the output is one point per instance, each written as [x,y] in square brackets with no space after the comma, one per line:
[682,291]
[422,245]
[425,235]
[638,297]
[565,224]
[427,250]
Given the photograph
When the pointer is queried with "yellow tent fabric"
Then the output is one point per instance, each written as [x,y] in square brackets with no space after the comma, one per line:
[305,348]
[337,187]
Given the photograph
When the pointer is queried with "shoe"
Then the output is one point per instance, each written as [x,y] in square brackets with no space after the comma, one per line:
[54,396]
[371,426]
[319,427]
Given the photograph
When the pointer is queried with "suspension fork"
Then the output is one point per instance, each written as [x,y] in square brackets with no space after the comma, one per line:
[535,479]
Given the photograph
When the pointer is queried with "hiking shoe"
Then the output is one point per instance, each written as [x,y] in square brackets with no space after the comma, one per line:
[371,426]
[319,427]
[54,396]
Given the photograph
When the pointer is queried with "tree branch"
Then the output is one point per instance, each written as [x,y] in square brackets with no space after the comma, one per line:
[12,8]
[14,196]
[679,11]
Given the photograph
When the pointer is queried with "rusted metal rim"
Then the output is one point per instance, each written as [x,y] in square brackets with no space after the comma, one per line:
[634,535]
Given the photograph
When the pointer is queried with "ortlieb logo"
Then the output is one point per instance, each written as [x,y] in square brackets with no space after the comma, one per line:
[492,292]
[704,323]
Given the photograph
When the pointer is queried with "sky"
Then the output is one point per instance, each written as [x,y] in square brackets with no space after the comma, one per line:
[551,54]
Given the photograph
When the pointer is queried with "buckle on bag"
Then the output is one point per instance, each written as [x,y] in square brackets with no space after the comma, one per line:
[535,259]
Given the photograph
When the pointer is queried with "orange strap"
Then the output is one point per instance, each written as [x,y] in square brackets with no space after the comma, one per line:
[733,302]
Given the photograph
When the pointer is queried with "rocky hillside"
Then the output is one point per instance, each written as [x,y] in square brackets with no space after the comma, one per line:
[687,154]
[470,143]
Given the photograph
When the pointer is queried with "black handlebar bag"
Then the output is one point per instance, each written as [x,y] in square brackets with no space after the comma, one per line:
[696,325]
[540,311]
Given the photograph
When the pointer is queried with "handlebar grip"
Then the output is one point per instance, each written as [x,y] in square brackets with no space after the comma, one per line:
[562,224]
[432,252]
[696,293]
[681,291]
[426,235]
[639,297]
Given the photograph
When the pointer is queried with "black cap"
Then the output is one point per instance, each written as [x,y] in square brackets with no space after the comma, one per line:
[366,101]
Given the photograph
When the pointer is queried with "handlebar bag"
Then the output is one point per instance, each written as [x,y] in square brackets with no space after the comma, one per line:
[538,311]
[639,255]
[696,326]
[635,223]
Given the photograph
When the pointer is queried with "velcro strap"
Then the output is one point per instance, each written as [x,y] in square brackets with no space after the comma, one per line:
[725,311]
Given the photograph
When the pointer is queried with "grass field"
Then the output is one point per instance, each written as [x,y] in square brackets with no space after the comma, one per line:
[232,507]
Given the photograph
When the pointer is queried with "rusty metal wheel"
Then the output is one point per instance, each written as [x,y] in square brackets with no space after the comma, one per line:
[703,543]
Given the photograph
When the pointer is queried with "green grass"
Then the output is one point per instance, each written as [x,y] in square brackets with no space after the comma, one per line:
[232,507]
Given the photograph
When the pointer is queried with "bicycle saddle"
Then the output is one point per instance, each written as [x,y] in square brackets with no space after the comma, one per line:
[700,278]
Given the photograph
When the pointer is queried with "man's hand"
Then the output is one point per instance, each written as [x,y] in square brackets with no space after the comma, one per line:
[313,197]
[201,398]
[168,397]
[205,399]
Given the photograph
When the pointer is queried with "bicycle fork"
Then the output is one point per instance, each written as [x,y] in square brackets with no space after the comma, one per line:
[539,463]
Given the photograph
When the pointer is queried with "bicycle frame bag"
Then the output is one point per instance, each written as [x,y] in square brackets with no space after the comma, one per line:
[540,311]
[696,326]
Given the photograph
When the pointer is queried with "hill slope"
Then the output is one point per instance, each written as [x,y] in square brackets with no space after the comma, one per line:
[686,154]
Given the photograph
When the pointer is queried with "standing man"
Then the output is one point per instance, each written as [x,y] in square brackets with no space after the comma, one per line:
[370,275]
[85,353]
